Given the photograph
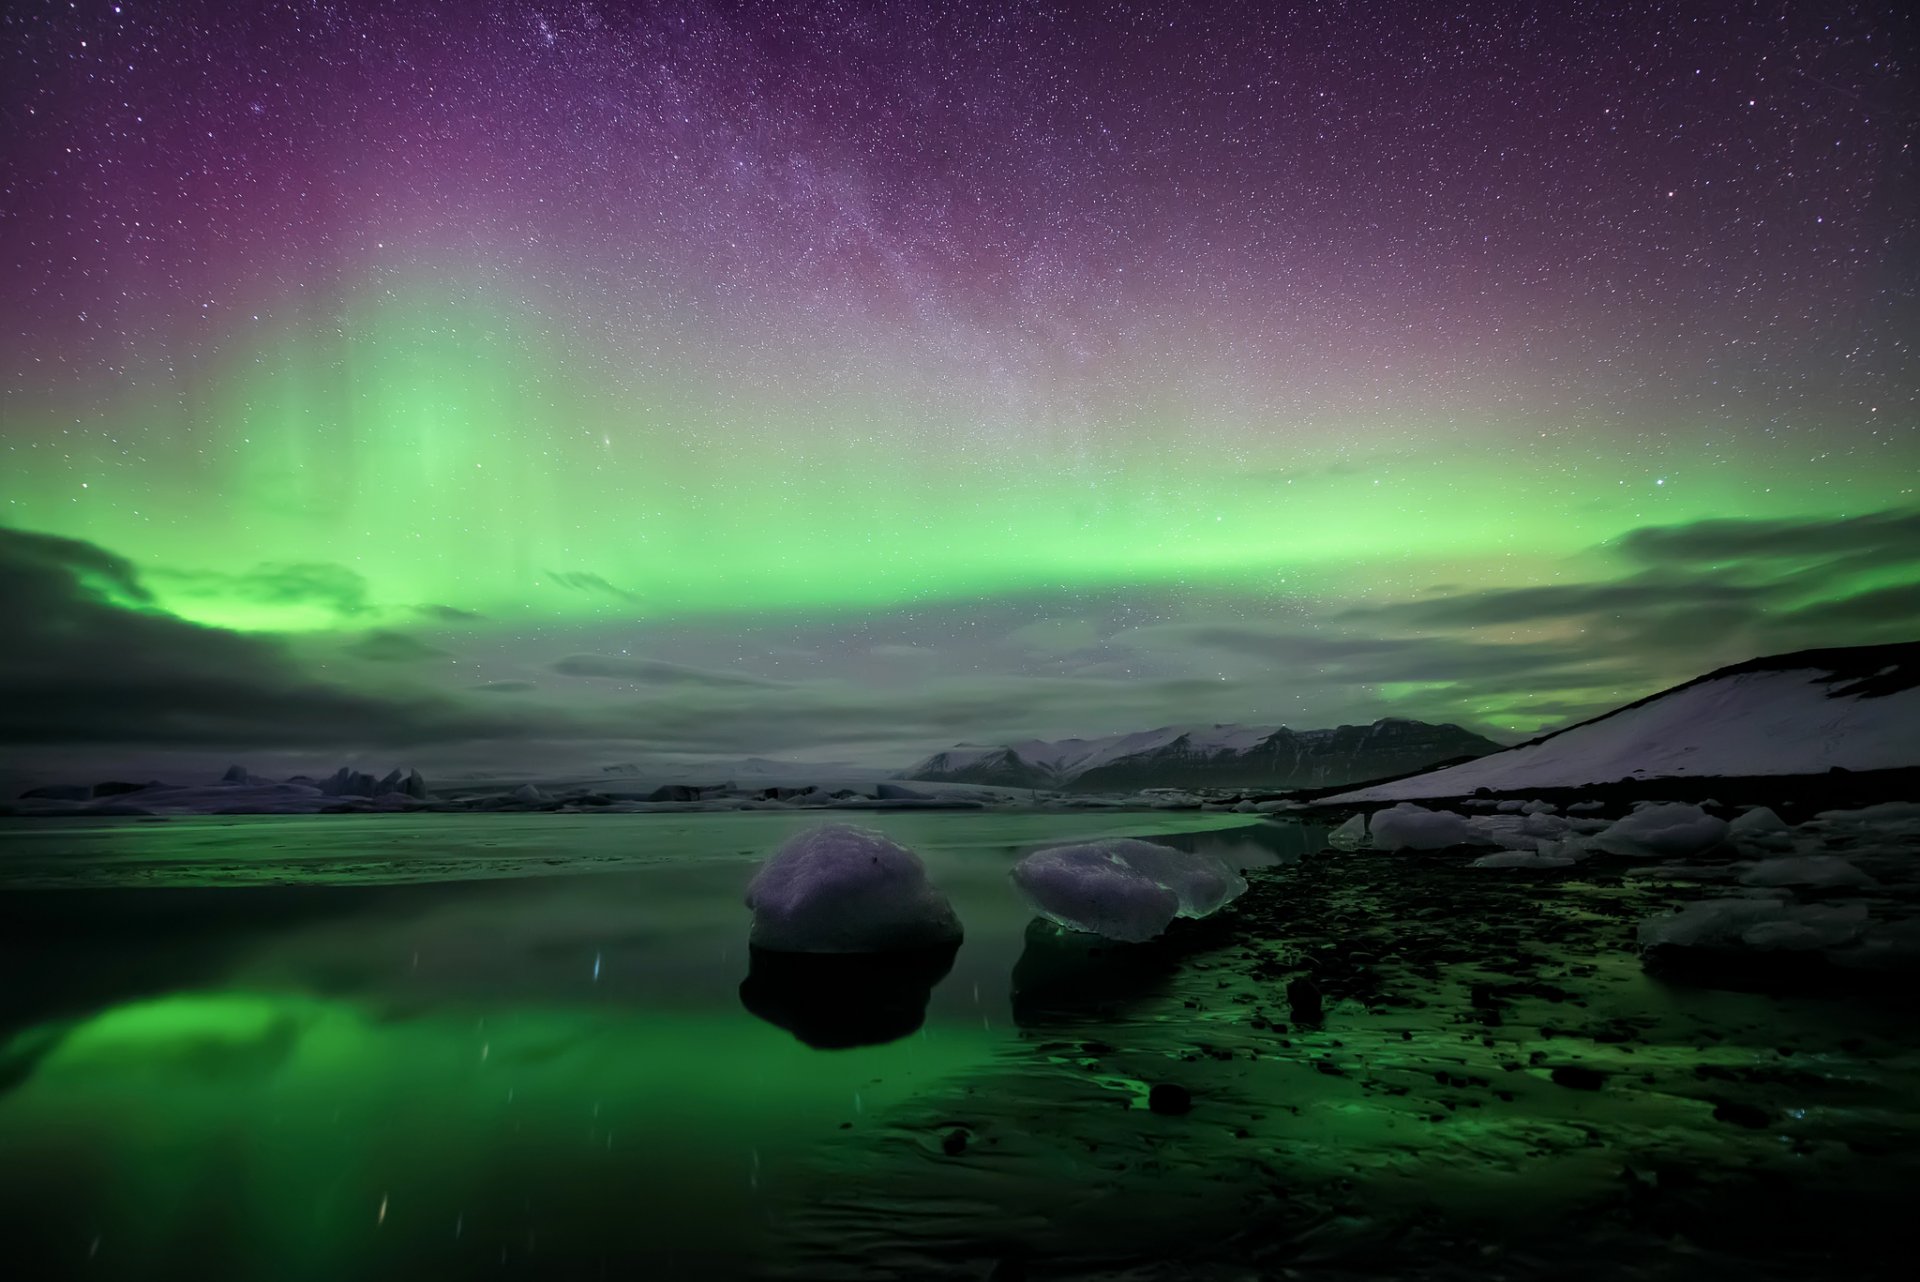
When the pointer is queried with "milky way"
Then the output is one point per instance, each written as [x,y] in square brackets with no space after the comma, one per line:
[739,377]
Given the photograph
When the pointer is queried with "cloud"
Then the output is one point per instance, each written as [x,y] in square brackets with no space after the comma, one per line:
[449,614]
[87,658]
[503,687]
[581,581]
[1763,583]
[654,672]
[1891,537]
[393,647]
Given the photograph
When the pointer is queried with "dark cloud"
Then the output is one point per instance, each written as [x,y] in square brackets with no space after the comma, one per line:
[1710,586]
[503,687]
[1554,601]
[449,614]
[393,647]
[86,658]
[653,672]
[580,581]
[1891,537]
[1894,611]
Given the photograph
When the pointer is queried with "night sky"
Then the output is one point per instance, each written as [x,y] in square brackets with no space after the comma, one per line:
[475,385]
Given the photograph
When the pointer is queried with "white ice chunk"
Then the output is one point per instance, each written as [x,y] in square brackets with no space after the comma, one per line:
[1664,830]
[1540,823]
[1756,923]
[1806,870]
[1410,827]
[1756,822]
[1350,835]
[841,889]
[1124,889]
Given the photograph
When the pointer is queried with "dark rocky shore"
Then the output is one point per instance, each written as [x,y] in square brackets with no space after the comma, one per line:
[1399,1065]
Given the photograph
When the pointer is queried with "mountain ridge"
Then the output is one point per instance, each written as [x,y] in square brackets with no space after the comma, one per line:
[1227,755]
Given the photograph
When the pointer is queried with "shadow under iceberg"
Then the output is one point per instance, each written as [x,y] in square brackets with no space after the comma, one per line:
[835,1001]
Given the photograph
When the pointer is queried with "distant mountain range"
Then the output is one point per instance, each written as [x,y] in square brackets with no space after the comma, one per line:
[1812,712]
[1219,756]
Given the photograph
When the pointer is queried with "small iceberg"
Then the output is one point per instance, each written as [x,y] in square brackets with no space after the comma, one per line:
[842,889]
[1124,889]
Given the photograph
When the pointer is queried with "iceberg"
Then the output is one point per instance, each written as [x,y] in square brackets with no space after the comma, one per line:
[842,889]
[1125,889]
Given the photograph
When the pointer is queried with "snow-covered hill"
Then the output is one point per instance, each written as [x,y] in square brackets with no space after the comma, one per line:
[1792,714]
[1224,756]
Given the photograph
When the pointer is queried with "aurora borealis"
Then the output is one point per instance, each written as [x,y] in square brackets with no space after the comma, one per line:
[510,383]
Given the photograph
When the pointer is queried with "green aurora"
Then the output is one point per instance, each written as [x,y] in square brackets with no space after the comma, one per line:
[444,449]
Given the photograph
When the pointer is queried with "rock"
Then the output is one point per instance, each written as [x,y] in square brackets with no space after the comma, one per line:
[58,792]
[954,1143]
[118,788]
[347,783]
[898,792]
[1303,1001]
[1169,1100]
[1578,1077]
[1746,1115]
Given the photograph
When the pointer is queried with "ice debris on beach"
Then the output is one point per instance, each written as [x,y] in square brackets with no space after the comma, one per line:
[842,889]
[1124,889]
[1670,830]
[1410,827]
[1350,835]
[1762,923]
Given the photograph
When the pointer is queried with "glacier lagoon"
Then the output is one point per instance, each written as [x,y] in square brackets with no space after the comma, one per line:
[537,1045]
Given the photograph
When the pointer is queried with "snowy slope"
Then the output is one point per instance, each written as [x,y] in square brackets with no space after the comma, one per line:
[1793,714]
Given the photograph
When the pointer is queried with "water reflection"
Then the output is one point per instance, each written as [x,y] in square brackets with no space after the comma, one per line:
[832,1001]
[1069,977]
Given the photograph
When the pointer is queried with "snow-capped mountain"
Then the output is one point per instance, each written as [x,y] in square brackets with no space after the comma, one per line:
[1792,714]
[1219,756]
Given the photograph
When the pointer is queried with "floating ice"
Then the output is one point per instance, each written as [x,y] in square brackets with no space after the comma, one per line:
[1124,889]
[841,889]
[1410,827]
[1663,830]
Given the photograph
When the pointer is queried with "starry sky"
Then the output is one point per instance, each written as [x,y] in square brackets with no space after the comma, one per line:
[479,384]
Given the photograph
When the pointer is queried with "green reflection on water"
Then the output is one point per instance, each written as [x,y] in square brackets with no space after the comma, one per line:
[283,1135]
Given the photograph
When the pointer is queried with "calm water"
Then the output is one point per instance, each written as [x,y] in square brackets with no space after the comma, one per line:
[354,1046]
